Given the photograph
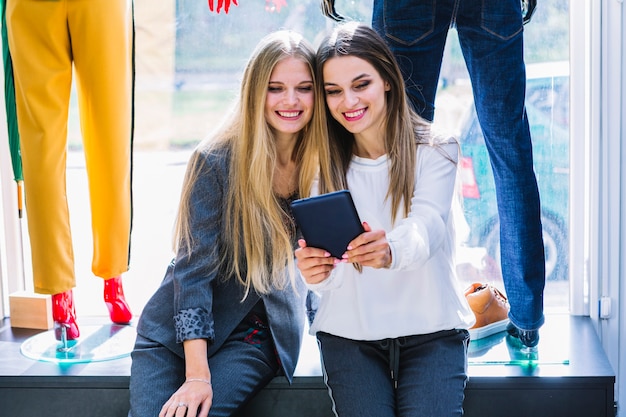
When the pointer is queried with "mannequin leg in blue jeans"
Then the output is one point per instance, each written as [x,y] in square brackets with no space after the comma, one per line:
[491,37]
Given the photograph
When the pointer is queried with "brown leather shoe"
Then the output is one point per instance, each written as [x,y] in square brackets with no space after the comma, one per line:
[490,307]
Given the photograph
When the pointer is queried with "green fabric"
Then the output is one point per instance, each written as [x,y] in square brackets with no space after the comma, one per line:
[9,101]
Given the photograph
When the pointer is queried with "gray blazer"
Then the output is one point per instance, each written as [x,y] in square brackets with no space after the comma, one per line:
[195,299]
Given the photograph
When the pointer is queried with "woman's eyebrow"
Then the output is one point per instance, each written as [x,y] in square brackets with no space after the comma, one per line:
[357,78]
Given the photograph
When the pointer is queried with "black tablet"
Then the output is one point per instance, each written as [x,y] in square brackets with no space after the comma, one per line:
[328,221]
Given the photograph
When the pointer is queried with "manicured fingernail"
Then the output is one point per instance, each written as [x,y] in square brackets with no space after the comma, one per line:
[326,254]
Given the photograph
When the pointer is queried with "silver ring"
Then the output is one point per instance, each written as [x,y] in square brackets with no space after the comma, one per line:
[182,405]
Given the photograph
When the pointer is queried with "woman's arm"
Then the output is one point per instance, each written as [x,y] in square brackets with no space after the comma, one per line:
[426,228]
[193,296]
[196,393]
[415,237]
[195,270]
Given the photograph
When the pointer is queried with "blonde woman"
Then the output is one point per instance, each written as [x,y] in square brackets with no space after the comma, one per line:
[229,314]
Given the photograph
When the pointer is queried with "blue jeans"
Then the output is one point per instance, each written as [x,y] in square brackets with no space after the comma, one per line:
[413,376]
[239,370]
[491,38]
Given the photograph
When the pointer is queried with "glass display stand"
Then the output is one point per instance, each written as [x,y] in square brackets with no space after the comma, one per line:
[503,349]
[96,343]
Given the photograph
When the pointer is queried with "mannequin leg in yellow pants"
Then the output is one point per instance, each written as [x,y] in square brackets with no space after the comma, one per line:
[45,39]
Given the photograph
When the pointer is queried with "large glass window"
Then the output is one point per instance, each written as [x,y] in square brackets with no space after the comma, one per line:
[547,104]
[188,68]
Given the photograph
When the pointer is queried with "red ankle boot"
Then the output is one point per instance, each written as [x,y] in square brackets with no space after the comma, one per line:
[119,311]
[64,316]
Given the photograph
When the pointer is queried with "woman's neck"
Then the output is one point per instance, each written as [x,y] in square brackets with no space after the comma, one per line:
[285,144]
[369,146]
[285,181]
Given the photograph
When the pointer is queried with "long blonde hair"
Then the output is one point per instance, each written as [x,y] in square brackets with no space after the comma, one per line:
[257,245]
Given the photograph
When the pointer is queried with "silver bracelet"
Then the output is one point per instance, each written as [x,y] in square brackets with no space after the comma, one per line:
[206,381]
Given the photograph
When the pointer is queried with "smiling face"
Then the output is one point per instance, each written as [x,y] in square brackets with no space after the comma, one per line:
[355,95]
[290,97]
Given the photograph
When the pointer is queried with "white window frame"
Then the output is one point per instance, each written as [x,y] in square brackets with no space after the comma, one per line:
[598,80]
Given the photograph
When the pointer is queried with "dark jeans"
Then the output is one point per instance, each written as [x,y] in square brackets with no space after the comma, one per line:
[429,375]
[491,38]
[244,364]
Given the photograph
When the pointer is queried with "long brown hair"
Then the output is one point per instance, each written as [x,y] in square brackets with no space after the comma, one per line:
[404,129]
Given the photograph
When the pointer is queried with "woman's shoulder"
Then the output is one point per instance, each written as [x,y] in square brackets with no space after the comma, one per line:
[211,156]
[213,152]
[442,144]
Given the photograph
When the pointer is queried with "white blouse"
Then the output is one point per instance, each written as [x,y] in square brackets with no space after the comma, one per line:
[419,293]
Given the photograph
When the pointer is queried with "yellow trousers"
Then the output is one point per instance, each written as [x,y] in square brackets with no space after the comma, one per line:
[47,39]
